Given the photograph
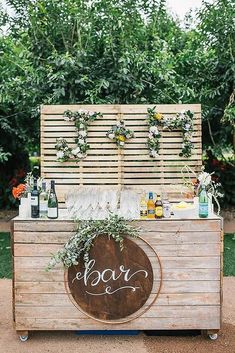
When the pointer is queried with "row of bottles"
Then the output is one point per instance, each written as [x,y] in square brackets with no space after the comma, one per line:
[44,204]
[162,208]
[158,209]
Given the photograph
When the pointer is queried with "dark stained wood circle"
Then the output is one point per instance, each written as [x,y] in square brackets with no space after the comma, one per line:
[116,283]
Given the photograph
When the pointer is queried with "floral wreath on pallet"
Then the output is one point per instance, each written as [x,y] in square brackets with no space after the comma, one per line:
[81,118]
[119,133]
[183,121]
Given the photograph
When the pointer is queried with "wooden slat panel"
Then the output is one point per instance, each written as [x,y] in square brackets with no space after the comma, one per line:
[168,262]
[40,312]
[127,108]
[162,250]
[54,300]
[152,237]
[32,274]
[198,322]
[103,150]
[163,225]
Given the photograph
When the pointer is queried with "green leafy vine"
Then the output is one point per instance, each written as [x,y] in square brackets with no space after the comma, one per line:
[78,246]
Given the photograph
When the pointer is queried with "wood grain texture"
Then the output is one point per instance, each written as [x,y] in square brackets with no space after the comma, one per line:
[102,149]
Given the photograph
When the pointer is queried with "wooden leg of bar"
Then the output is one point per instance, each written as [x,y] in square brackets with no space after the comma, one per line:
[23,335]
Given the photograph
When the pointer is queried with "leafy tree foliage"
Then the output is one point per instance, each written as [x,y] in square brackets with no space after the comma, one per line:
[115,51]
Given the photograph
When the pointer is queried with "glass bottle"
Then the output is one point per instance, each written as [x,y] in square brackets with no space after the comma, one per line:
[166,207]
[43,201]
[52,202]
[158,207]
[35,200]
[203,203]
[143,207]
[151,206]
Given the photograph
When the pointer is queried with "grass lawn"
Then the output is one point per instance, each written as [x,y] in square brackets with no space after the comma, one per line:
[6,264]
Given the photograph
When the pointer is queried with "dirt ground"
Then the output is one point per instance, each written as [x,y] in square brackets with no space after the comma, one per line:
[63,342]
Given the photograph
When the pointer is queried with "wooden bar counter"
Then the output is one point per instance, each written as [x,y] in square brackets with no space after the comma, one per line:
[190,297]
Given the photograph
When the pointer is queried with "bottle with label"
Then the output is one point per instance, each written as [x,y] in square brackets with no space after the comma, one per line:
[43,201]
[158,207]
[52,202]
[203,203]
[166,207]
[143,207]
[35,200]
[151,207]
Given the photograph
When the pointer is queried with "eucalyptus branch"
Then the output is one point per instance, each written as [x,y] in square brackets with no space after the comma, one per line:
[78,246]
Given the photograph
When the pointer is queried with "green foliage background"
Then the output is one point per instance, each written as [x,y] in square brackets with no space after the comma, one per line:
[114,51]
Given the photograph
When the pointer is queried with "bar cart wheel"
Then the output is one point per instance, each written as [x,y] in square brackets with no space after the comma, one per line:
[23,338]
[213,336]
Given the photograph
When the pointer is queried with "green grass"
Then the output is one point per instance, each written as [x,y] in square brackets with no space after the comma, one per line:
[6,263]
[5,256]
[229,255]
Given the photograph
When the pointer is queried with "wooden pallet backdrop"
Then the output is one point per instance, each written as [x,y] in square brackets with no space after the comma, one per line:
[105,163]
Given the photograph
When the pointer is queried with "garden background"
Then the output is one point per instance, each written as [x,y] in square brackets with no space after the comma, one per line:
[114,51]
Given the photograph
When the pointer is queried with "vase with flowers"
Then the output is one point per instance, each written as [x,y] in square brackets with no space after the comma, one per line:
[212,187]
[22,192]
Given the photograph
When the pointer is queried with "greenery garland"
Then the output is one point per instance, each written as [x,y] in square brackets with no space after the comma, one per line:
[78,246]
[183,121]
[119,133]
[81,118]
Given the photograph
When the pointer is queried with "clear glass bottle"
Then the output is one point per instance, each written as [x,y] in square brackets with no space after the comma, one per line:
[52,202]
[43,201]
[35,200]
[143,207]
[203,203]
[166,207]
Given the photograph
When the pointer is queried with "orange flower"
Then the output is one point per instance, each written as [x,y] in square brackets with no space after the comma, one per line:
[18,191]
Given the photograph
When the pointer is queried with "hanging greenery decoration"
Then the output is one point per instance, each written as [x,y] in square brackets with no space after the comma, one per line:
[81,118]
[119,133]
[183,121]
[79,245]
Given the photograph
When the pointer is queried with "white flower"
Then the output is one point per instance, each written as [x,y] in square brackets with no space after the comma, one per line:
[80,155]
[122,143]
[81,111]
[151,136]
[111,136]
[91,113]
[75,151]
[82,133]
[81,126]
[153,129]
[118,123]
[153,153]
[204,178]
[60,154]
[187,126]
[66,118]
[81,141]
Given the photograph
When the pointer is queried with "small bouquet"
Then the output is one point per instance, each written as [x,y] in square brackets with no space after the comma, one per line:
[19,191]
[119,133]
[22,190]
[204,178]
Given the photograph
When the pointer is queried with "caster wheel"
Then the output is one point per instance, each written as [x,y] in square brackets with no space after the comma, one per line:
[23,338]
[213,336]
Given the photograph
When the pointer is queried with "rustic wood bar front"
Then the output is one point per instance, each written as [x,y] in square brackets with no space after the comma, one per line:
[190,296]
[170,276]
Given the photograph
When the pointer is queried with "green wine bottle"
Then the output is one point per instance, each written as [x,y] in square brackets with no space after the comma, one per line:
[52,202]
[203,203]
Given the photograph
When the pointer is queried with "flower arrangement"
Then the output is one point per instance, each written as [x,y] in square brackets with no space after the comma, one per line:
[202,179]
[78,246]
[119,133]
[22,190]
[81,118]
[183,121]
